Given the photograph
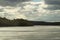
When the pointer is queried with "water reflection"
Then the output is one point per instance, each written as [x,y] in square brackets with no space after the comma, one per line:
[39,33]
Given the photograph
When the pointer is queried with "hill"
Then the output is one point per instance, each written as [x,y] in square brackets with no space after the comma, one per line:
[45,23]
[15,22]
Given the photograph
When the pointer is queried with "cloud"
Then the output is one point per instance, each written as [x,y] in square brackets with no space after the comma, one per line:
[53,7]
[9,9]
[17,0]
[11,2]
[11,12]
[31,11]
[50,16]
[53,4]
[37,12]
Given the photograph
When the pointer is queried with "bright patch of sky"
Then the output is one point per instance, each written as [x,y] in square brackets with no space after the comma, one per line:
[36,0]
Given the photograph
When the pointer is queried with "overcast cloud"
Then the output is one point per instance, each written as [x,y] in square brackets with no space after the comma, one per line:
[47,10]
[11,2]
[53,4]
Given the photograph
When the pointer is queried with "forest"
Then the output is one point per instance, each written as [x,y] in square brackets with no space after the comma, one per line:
[15,22]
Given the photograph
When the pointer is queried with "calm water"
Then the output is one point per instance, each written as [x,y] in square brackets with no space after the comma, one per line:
[30,33]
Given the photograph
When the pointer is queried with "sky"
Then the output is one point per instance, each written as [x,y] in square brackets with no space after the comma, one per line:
[36,0]
[36,10]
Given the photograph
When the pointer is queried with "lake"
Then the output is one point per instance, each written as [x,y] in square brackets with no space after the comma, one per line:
[30,33]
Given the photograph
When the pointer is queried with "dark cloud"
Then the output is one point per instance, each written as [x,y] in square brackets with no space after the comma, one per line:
[11,2]
[53,7]
[17,0]
[53,4]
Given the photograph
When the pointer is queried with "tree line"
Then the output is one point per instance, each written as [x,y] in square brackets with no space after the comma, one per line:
[15,22]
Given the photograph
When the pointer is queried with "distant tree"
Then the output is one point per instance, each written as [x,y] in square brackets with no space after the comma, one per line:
[15,22]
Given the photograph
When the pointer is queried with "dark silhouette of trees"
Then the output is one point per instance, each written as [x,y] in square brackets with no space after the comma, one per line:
[23,22]
[15,22]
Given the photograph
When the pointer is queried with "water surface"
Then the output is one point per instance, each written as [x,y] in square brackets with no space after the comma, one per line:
[30,33]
